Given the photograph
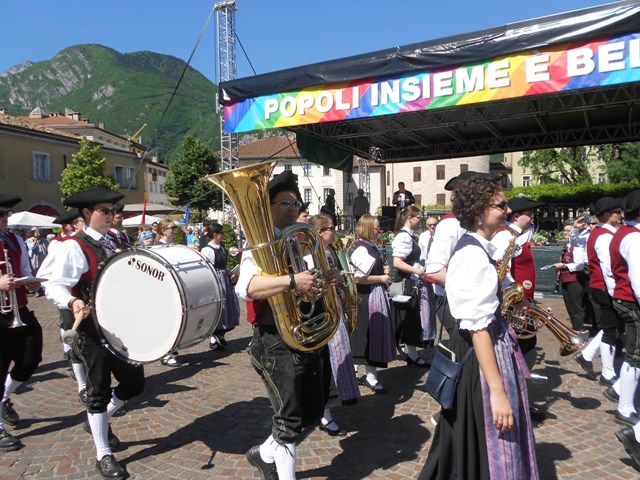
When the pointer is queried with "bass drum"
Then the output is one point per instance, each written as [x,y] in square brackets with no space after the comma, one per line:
[148,302]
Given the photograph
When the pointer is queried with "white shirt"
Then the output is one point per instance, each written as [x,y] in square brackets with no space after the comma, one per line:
[25,266]
[499,244]
[403,246]
[632,257]
[604,256]
[63,268]
[448,232]
[423,243]
[472,284]
[578,238]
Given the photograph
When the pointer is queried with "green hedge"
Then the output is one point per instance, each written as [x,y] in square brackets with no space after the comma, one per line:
[574,194]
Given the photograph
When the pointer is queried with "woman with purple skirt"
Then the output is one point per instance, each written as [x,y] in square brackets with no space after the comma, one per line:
[373,342]
[487,434]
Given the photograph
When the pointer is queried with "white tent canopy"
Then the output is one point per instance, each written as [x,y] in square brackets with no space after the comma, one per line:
[151,207]
[25,219]
[137,220]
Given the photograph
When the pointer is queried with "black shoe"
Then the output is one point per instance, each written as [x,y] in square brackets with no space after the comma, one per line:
[216,345]
[9,415]
[435,418]
[8,442]
[267,470]
[222,340]
[114,441]
[418,362]
[631,445]
[586,365]
[610,394]
[607,382]
[332,429]
[537,414]
[377,388]
[109,467]
[625,420]
[170,361]
[83,396]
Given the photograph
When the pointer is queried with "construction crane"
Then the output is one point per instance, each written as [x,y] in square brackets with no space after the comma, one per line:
[136,136]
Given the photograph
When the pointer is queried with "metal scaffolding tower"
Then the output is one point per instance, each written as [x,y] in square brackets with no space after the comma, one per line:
[227,70]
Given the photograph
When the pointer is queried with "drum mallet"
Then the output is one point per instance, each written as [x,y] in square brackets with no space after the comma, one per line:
[69,336]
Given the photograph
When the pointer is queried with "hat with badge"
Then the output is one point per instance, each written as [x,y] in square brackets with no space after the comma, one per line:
[92,196]
[470,175]
[9,201]
[522,204]
[631,202]
[66,217]
[605,204]
[284,182]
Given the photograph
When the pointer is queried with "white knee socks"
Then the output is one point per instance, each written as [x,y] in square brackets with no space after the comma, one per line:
[99,423]
[592,347]
[10,386]
[628,384]
[607,353]
[285,456]
[114,405]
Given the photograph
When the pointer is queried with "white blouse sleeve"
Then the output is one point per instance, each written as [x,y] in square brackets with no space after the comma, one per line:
[402,245]
[472,284]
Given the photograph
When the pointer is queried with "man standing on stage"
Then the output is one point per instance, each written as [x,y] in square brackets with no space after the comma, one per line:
[292,378]
[71,270]
[402,198]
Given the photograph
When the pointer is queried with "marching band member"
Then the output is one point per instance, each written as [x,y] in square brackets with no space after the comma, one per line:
[570,272]
[625,266]
[372,343]
[410,330]
[292,378]
[21,345]
[487,434]
[73,266]
[601,285]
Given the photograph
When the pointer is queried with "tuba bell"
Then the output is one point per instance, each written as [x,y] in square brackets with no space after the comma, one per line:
[348,294]
[299,324]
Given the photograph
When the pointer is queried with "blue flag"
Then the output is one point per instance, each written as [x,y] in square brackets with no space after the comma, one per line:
[187,214]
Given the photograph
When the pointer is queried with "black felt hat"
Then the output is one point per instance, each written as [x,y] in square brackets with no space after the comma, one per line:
[285,181]
[521,204]
[632,201]
[67,217]
[92,196]
[305,207]
[605,204]
[469,175]
[119,208]
[9,201]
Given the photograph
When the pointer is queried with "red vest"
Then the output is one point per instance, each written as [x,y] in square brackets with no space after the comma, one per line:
[596,279]
[449,215]
[15,257]
[523,271]
[619,266]
[88,276]
[567,276]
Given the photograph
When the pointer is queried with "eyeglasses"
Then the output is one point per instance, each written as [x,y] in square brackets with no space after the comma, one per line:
[594,223]
[502,205]
[431,224]
[170,228]
[326,229]
[6,213]
[287,204]
[105,211]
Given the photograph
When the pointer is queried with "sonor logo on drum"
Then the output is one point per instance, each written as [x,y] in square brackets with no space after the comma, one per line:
[146,268]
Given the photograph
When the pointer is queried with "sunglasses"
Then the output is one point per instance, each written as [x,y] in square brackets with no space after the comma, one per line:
[431,224]
[502,205]
[105,211]
[170,228]
[6,213]
[287,204]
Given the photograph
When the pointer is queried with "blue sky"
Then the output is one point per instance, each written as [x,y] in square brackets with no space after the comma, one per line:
[276,34]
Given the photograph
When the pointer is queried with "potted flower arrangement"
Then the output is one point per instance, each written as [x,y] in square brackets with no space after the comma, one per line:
[385,237]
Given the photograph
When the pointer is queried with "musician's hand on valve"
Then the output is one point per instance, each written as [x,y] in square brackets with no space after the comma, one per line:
[7,282]
[332,277]
[305,283]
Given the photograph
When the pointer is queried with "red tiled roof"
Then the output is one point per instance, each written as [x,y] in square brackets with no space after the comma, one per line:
[25,124]
[57,120]
[278,147]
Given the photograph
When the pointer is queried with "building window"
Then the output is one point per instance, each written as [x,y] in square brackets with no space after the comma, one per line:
[306,170]
[125,176]
[325,193]
[41,167]
[526,180]
[349,199]
[418,198]
[441,199]
[439,172]
[326,171]
[150,186]
[307,195]
[602,177]
[464,167]
[388,179]
[288,167]
[417,174]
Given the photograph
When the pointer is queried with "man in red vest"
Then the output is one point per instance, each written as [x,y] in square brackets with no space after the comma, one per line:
[625,266]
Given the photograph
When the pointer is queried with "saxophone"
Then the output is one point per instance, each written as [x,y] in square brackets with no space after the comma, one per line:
[299,324]
[527,324]
[348,294]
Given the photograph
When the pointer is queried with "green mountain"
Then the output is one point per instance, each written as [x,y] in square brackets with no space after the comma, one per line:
[121,91]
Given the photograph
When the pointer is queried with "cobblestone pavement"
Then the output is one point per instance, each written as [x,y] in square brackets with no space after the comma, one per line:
[197,421]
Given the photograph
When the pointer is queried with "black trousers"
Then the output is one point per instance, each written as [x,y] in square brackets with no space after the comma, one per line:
[575,300]
[608,321]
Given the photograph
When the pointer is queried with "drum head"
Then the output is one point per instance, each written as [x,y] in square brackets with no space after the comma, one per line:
[137,295]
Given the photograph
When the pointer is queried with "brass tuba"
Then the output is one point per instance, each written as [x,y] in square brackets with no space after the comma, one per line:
[348,294]
[301,327]
[526,324]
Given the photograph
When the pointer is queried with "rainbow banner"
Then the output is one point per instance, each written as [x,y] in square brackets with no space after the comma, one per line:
[602,62]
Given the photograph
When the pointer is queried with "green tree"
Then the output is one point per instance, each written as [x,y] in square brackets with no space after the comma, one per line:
[552,164]
[86,170]
[185,183]
[621,160]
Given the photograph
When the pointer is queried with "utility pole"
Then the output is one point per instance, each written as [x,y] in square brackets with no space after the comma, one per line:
[227,70]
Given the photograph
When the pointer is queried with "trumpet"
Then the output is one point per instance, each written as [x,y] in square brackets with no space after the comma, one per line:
[9,300]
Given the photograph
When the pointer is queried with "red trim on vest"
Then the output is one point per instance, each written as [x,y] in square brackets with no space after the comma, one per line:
[253,308]
[449,215]
[596,277]
[15,257]
[567,276]
[620,267]
[523,270]
[89,275]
